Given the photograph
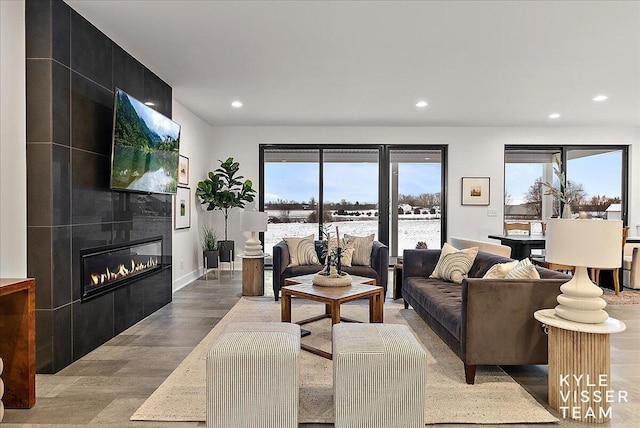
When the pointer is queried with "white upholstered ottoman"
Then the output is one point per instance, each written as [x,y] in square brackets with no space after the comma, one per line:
[253,373]
[379,375]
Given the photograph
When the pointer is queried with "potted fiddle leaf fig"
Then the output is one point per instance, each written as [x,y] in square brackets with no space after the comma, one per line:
[224,190]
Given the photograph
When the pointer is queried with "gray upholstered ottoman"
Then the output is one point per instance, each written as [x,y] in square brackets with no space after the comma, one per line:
[379,375]
[253,373]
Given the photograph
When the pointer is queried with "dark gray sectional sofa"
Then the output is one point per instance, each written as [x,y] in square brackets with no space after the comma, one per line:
[484,321]
[379,269]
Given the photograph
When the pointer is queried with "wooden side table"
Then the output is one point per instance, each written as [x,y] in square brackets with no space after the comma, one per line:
[397,279]
[253,274]
[18,341]
[580,367]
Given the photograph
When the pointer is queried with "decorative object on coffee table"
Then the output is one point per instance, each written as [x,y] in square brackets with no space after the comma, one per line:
[583,243]
[332,275]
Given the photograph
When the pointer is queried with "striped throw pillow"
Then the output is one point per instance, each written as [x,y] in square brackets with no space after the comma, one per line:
[454,264]
[302,251]
[523,270]
[500,270]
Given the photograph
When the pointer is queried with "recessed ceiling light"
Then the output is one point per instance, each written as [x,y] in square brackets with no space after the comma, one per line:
[421,104]
[427,158]
[554,115]
[149,103]
[600,98]
[236,104]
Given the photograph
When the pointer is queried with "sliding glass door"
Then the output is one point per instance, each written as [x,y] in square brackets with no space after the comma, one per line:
[361,189]
[350,190]
[415,189]
[291,180]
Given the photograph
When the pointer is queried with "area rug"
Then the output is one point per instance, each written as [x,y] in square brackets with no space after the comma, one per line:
[495,398]
[628,296]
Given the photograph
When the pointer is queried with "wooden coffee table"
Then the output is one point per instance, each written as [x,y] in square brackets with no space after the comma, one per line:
[306,279]
[332,297]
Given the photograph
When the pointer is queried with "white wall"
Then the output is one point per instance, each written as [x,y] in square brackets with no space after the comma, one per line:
[472,152]
[196,144]
[13,155]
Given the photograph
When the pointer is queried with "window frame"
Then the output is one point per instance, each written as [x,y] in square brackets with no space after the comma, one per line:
[564,149]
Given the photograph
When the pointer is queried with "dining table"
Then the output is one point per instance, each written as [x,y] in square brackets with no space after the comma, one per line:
[521,245]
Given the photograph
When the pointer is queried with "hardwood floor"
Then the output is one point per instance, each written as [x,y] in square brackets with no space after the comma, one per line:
[105,387]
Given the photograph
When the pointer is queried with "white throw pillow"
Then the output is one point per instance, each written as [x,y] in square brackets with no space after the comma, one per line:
[500,270]
[362,249]
[523,270]
[347,251]
[302,251]
[453,264]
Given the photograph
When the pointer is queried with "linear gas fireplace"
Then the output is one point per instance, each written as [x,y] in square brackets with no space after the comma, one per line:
[109,267]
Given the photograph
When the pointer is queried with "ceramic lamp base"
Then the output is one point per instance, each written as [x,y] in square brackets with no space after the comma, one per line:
[580,300]
[253,246]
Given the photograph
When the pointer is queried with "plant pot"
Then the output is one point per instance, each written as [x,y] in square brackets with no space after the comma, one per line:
[211,259]
[227,250]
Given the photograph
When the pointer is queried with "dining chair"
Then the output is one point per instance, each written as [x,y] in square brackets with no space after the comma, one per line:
[595,272]
[525,226]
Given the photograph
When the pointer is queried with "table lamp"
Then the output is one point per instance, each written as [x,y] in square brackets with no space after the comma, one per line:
[583,243]
[253,222]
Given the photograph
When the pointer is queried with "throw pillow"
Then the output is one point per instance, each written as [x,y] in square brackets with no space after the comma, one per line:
[302,251]
[500,270]
[347,252]
[453,264]
[523,270]
[362,249]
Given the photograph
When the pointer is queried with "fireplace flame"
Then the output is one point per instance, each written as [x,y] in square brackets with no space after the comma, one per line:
[121,271]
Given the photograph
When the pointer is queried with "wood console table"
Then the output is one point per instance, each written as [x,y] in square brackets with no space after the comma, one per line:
[18,341]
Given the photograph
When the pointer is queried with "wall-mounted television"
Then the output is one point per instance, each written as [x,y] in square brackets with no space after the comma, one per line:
[146,147]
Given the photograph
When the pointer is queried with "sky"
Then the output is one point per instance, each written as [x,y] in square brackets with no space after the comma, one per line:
[160,124]
[599,175]
[350,181]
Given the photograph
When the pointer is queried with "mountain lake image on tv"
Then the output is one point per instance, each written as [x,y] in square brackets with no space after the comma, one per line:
[145,148]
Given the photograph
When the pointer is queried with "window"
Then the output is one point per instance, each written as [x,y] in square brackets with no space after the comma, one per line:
[359,188]
[598,174]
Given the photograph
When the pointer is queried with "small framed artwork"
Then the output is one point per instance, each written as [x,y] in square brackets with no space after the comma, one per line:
[183,170]
[475,190]
[182,214]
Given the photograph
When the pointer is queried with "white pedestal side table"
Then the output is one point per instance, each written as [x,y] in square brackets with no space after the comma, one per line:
[580,367]
[253,274]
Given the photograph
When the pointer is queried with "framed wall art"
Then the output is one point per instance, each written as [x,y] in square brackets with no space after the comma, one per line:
[182,214]
[475,190]
[183,170]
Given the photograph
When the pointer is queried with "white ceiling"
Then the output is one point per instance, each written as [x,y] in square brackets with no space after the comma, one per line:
[356,63]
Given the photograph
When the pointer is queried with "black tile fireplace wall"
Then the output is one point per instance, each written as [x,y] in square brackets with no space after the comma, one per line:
[72,69]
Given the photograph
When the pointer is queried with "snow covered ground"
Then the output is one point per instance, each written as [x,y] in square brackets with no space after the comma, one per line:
[409,231]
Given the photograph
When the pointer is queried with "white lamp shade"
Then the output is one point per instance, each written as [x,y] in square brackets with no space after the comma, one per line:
[253,221]
[589,243]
